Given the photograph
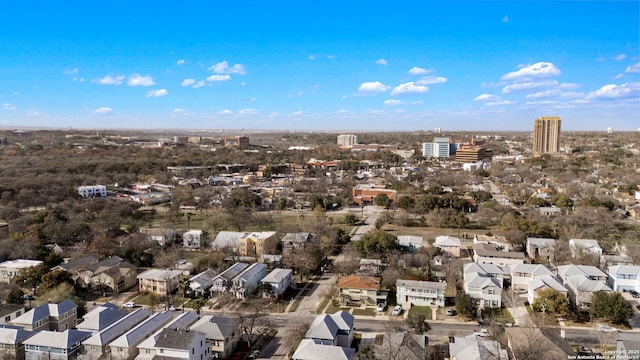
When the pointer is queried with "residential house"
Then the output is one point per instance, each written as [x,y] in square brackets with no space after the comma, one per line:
[332,329]
[182,344]
[53,345]
[541,283]
[255,243]
[186,266]
[624,277]
[500,242]
[279,280]
[549,211]
[163,237]
[582,281]
[627,346]
[588,246]
[484,253]
[228,240]
[223,333]
[475,347]
[147,349]
[113,273]
[192,239]
[200,284]
[371,267]
[295,241]
[522,274]
[12,268]
[223,281]
[100,318]
[12,341]
[360,290]
[158,281]
[125,346]
[97,345]
[247,282]
[410,243]
[419,293]
[541,249]
[365,193]
[449,245]
[8,312]
[484,282]
[54,317]
[310,349]
[75,267]
[520,339]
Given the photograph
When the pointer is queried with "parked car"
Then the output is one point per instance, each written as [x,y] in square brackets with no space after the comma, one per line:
[605,328]
[635,294]
[172,308]
[129,304]
[27,297]
[451,312]
[397,310]
[380,307]
[482,332]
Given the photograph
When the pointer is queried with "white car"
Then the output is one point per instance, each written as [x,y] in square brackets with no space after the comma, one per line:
[605,328]
[129,304]
[397,310]
[380,307]
[482,332]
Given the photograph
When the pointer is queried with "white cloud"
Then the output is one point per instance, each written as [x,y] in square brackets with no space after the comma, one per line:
[537,70]
[528,85]
[297,113]
[429,80]
[633,69]
[8,107]
[372,88]
[225,112]
[497,103]
[312,57]
[612,91]
[382,62]
[224,68]
[178,111]
[393,102]
[248,111]
[505,19]
[219,78]
[572,94]
[158,93]
[32,112]
[71,71]
[619,76]
[409,89]
[180,62]
[486,97]
[103,111]
[417,102]
[569,86]
[109,80]
[140,80]
[199,84]
[541,102]
[188,82]
[541,94]
[418,71]
[620,57]
[343,111]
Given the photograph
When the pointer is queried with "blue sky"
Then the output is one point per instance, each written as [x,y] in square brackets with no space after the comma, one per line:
[330,65]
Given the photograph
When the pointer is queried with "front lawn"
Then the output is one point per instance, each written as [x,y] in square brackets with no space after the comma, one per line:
[364,312]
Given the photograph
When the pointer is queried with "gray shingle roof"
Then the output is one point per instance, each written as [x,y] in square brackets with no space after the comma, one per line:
[309,350]
[216,327]
[176,339]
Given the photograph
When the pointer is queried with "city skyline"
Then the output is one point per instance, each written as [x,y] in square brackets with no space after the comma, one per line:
[478,65]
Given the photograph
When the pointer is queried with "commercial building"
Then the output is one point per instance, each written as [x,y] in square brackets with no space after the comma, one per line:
[473,154]
[546,135]
[240,141]
[12,268]
[347,140]
[365,193]
[441,147]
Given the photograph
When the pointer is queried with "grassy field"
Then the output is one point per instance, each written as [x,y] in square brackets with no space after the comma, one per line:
[429,233]
[364,312]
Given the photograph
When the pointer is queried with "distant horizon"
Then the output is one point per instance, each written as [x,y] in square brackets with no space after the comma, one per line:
[331,65]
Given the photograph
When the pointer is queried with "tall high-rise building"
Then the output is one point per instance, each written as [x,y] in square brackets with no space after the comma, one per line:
[546,135]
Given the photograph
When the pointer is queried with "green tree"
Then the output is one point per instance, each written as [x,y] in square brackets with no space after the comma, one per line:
[481,196]
[350,219]
[418,321]
[382,200]
[15,296]
[376,242]
[466,305]
[611,306]
[551,301]
[406,202]
[55,278]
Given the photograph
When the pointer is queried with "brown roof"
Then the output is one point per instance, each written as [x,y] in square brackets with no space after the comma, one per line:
[360,282]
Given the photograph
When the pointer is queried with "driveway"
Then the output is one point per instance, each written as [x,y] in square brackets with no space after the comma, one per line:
[316,292]
[371,215]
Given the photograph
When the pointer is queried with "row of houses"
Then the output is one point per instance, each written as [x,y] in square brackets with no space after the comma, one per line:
[109,332]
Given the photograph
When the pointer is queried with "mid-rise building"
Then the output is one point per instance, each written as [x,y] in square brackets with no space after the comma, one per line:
[441,147]
[546,135]
[240,141]
[92,191]
[12,268]
[347,140]
[473,154]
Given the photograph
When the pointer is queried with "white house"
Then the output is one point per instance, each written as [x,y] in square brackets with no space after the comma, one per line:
[12,268]
[280,280]
[332,329]
[409,242]
[192,239]
[201,283]
[53,345]
[310,349]
[222,282]
[92,191]
[487,253]
[582,281]
[624,277]
[589,246]
[248,281]
[419,293]
[449,245]
[475,347]
[125,346]
[182,344]
[523,274]
[484,282]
